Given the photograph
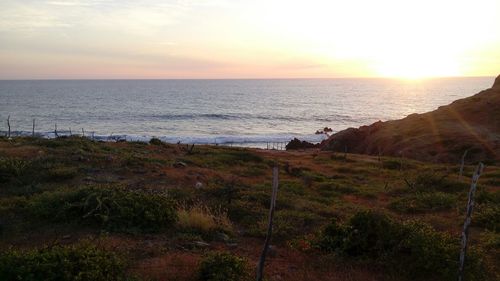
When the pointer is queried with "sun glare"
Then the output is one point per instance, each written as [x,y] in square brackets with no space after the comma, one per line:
[412,66]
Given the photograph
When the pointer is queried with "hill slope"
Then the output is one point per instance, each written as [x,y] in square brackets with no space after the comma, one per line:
[442,135]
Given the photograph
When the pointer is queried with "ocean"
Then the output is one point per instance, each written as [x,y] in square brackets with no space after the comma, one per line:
[249,113]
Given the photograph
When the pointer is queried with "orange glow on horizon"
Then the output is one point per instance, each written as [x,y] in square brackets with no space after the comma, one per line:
[248,39]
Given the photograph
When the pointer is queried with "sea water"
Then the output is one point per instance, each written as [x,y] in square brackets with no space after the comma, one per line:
[241,112]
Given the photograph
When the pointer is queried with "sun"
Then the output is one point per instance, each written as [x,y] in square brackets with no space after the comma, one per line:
[415,64]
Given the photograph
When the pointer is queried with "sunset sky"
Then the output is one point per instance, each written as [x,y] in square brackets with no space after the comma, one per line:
[248,39]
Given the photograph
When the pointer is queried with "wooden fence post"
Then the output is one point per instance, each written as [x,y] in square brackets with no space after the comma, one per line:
[470,208]
[8,125]
[262,260]
[462,165]
[33,130]
[55,130]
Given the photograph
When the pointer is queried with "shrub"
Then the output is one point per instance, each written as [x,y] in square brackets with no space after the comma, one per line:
[428,181]
[221,266]
[112,208]
[410,248]
[487,216]
[391,164]
[289,223]
[155,141]
[424,202]
[369,234]
[81,262]
[200,218]
[12,169]
[62,173]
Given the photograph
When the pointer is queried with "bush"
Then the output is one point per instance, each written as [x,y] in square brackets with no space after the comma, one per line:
[431,182]
[62,173]
[410,248]
[424,202]
[155,141]
[109,207]
[487,216]
[81,262]
[11,168]
[222,267]
[289,223]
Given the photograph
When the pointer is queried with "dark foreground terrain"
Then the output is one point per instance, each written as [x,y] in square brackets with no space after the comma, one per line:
[74,209]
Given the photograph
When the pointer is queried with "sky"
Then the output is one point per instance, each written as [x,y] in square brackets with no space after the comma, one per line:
[122,39]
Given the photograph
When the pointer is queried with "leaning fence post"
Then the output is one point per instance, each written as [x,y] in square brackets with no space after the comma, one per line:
[8,125]
[470,207]
[262,260]
[462,165]
[33,130]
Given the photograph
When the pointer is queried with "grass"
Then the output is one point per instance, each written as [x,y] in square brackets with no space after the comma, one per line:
[202,219]
[77,262]
[131,196]
[111,208]
[424,202]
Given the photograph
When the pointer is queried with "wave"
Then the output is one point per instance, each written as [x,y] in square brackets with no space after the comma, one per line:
[239,140]
[246,116]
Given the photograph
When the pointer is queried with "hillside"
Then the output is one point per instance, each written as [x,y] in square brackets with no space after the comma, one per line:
[441,135]
[114,211]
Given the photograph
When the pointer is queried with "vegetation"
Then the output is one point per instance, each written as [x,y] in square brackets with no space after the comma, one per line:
[111,208]
[222,267]
[413,249]
[164,206]
[78,262]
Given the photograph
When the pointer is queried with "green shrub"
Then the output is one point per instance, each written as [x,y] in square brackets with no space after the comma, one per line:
[155,141]
[12,169]
[430,182]
[424,202]
[62,173]
[81,262]
[391,164]
[289,223]
[292,187]
[487,216]
[109,207]
[221,266]
[369,234]
[412,249]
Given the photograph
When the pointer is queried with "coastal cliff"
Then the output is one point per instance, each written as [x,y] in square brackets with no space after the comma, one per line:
[442,135]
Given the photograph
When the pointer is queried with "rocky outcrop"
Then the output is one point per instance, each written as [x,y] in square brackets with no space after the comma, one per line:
[298,144]
[496,85]
[442,135]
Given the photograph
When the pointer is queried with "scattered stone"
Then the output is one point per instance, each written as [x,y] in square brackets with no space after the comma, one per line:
[179,164]
[66,237]
[220,236]
[198,185]
[272,252]
[201,244]
[232,245]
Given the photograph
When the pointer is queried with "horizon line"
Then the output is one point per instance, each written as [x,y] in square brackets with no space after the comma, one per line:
[251,78]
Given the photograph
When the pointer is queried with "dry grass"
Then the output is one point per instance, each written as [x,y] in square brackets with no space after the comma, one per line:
[201,218]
